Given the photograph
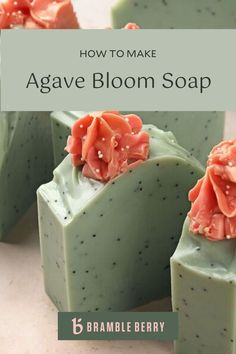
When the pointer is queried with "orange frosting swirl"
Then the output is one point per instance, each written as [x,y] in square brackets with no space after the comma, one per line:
[131,26]
[37,14]
[107,144]
[213,210]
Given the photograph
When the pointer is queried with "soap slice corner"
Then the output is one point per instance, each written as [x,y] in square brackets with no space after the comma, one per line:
[203,282]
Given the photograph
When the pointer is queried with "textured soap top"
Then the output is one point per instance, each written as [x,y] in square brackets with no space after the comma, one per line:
[37,14]
[73,190]
[213,211]
[107,144]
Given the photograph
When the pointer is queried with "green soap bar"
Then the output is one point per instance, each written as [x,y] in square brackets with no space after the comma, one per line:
[61,123]
[107,246]
[206,128]
[204,294]
[25,163]
[175,14]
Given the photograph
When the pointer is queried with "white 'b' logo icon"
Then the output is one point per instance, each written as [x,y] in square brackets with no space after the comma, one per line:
[77,326]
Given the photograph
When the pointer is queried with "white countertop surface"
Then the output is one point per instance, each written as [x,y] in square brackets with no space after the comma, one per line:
[94,13]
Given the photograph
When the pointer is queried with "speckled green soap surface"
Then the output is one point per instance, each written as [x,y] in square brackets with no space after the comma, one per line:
[61,128]
[107,246]
[204,294]
[25,163]
[197,132]
[175,14]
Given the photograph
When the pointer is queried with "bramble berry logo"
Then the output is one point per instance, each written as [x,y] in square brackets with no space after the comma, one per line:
[116,326]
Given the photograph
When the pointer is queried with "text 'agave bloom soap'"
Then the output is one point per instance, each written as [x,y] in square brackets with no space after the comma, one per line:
[37,14]
[107,235]
[204,265]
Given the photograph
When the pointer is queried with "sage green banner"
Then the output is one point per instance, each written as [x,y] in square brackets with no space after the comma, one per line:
[117,325]
[187,70]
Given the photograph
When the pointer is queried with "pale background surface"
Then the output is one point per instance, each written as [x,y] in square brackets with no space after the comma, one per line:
[28,319]
[94,13]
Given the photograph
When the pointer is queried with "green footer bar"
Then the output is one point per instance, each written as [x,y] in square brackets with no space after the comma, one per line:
[117,326]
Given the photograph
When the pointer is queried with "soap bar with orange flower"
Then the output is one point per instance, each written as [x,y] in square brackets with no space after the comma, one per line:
[198,138]
[204,264]
[110,219]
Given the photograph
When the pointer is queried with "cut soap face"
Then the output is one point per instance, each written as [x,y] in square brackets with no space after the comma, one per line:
[204,294]
[25,163]
[175,14]
[197,132]
[107,246]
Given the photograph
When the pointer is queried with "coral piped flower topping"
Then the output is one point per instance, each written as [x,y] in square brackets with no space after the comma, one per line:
[131,26]
[107,144]
[213,210]
[37,14]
